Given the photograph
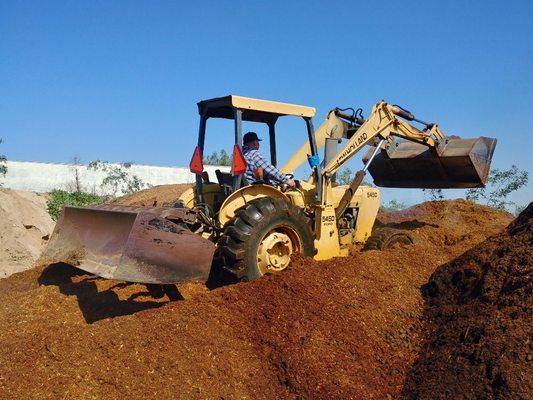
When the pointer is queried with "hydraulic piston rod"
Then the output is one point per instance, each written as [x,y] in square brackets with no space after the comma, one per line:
[354,185]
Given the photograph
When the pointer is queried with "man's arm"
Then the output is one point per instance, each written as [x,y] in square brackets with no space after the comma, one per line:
[270,170]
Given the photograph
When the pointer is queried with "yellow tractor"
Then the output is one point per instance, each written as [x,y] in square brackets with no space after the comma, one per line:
[253,229]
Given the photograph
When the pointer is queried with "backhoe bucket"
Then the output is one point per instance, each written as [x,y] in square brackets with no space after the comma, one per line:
[130,244]
[459,163]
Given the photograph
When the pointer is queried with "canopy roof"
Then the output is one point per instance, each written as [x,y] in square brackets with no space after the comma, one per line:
[255,110]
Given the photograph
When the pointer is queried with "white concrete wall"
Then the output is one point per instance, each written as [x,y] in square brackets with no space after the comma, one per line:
[45,177]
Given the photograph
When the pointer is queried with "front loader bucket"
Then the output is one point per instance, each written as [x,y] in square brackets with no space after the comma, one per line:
[130,244]
[459,163]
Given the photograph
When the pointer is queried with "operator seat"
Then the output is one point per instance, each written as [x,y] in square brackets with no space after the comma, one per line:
[225,180]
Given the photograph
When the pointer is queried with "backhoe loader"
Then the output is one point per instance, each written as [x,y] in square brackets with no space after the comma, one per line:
[253,229]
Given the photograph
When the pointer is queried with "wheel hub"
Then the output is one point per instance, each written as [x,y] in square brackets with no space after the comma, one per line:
[274,253]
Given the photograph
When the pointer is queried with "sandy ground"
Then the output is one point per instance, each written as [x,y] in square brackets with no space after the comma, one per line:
[25,227]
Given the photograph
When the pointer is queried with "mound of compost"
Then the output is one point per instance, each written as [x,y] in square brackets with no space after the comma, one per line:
[157,196]
[338,329]
[457,222]
[480,312]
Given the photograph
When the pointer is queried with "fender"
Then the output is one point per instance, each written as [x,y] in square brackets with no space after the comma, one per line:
[244,195]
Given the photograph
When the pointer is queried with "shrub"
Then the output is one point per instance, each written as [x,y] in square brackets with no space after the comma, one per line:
[61,198]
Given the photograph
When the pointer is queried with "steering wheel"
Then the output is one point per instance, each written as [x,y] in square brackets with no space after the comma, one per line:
[284,187]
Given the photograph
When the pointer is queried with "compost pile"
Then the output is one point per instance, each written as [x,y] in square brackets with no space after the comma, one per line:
[162,195]
[481,317]
[344,328]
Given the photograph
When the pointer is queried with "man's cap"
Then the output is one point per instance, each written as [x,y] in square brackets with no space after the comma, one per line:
[250,137]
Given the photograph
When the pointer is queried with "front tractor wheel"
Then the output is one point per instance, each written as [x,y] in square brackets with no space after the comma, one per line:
[263,236]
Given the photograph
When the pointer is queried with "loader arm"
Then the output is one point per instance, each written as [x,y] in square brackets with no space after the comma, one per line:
[383,116]
[436,161]
[383,124]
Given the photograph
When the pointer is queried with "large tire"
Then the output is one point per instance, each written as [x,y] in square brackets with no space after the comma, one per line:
[386,238]
[262,236]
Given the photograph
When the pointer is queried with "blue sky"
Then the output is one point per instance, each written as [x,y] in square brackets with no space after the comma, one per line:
[119,80]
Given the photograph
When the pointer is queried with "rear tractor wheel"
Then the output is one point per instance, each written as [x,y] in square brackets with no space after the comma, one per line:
[386,238]
[263,236]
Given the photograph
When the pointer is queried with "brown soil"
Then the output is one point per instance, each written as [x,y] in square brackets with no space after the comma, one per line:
[454,220]
[480,313]
[162,195]
[339,329]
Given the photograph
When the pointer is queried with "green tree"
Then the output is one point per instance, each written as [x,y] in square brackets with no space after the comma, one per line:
[394,205]
[519,208]
[500,184]
[345,176]
[434,194]
[222,159]
[118,178]
[3,166]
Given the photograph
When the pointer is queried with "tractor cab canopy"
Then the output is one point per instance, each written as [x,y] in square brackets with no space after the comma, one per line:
[240,109]
[254,110]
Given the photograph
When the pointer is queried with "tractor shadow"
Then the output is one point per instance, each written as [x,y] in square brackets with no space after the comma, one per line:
[405,225]
[101,299]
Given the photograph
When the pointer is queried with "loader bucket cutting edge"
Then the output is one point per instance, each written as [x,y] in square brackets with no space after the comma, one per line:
[461,164]
[129,245]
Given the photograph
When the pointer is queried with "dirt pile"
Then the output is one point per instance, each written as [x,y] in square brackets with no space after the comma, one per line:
[162,195]
[457,224]
[344,328]
[480,312]
[25,226]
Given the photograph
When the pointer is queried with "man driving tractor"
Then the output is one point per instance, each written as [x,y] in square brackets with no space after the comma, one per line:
[258,168]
